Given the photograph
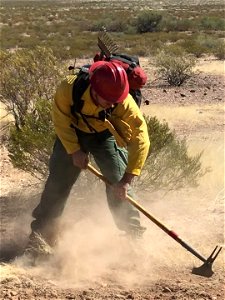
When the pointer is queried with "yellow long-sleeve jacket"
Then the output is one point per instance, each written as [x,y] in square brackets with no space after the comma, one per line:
[126,124]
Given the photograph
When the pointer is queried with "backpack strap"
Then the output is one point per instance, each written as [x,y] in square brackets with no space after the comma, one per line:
[80,85]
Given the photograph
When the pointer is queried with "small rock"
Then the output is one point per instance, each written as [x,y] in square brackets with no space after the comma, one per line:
[192,91]
[164,91]
[70,296]
[119,296]
[130,296]
[166,290]
[104,284]
[54,294]
[182,95]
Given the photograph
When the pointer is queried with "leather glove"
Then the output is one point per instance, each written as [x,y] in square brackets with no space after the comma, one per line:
[80,159]
[120,190]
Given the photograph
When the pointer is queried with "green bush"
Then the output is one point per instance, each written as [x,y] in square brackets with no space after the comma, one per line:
[206,41]
[168,166]
[219,49]
[200,44]
[212,23]
[174,65]
[27,75]
[30,147]
[112,25]
[169,23]
[148,21]
[192,46]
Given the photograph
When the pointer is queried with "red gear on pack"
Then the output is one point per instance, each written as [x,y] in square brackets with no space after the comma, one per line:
[109,80]
[136,77]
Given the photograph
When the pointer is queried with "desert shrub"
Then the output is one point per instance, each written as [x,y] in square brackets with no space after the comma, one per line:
[212,23]
[27,75]
[200,44]
[192,46]
[219,50]
[174,65]
[169,23]
[206,41]
[117,26]
[29,147]
[148,21]
[112,24]
[168,166]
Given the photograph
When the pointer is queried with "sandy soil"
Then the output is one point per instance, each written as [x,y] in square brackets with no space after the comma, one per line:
[92,260]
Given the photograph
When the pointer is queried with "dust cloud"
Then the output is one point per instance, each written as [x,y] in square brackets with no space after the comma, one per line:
[92,251]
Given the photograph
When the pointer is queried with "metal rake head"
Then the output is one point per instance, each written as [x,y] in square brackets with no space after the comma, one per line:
[206,269]
[106,43]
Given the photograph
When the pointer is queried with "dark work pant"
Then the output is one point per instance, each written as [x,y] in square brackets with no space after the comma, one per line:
[112,162]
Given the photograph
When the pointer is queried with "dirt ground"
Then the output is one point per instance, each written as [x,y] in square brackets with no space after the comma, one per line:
[93,260]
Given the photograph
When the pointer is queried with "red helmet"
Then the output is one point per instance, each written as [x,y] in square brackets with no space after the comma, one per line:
[109,80]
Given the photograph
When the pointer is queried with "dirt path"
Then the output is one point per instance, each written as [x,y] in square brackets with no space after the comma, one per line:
[92,261]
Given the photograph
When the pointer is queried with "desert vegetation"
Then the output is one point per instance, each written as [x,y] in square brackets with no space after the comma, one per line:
[70,28]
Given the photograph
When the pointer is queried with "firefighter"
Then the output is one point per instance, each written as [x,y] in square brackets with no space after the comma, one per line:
[109,126]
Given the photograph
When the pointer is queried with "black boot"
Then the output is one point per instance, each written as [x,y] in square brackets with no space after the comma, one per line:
[135,232]
[37,247]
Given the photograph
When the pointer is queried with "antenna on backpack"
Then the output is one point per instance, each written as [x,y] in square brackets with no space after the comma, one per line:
[72,68]
[106,43]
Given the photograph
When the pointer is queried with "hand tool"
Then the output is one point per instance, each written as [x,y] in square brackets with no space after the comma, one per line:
[204,270]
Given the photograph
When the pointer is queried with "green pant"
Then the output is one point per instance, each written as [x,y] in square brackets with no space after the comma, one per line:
[112,162]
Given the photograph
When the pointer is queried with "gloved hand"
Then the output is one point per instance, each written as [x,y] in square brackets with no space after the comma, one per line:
[80,159]
[120,190]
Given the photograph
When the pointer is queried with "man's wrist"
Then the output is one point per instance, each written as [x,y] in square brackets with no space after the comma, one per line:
[127,178]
